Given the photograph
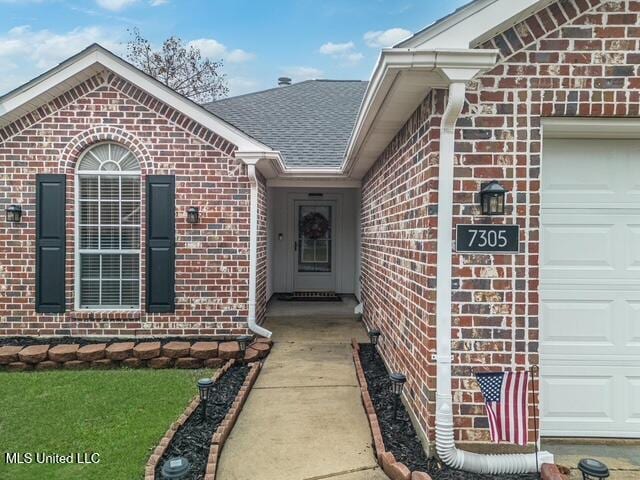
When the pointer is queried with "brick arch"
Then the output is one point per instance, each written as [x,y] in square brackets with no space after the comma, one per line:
[75,148]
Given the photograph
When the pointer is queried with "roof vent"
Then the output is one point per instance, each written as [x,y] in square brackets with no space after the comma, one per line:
[284,81]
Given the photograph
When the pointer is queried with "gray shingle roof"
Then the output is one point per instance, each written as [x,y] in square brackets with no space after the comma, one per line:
[308,122]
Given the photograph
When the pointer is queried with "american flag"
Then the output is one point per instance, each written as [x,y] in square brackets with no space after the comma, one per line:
[506,399]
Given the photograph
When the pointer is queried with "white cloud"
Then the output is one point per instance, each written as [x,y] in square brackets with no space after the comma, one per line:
[211,48]
[157,3]
[115,5]
[240,85]
[385,38]
[303,73]
[331,48]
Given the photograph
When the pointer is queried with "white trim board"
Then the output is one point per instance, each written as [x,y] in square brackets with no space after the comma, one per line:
[590,127]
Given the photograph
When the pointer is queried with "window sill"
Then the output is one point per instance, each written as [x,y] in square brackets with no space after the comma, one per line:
[106,314]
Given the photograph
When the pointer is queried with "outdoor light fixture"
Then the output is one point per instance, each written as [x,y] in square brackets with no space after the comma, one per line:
[397,384]
[14,213]
[204,387]
[591,468]
[175,468]
[193,215]
[374,335]
[243,342]
[492,197]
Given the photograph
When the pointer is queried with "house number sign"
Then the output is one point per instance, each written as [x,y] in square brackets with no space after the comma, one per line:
[488,238]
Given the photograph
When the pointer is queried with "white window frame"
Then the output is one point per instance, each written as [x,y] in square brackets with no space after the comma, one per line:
[78,251]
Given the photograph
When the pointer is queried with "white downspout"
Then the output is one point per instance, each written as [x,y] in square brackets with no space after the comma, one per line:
[445,443]
[253,253]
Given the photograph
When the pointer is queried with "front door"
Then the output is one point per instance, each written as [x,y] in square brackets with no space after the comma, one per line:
[314,246]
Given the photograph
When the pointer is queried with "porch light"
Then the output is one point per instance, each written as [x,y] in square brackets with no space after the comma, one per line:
[204,387]
[591,468]
[14,213]
[193,215]
[243,342]
[492,197]
[175,468]
[397,384]
[374,335]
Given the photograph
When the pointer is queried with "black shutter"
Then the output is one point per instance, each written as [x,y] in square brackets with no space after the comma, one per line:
[50,243]
[161,243]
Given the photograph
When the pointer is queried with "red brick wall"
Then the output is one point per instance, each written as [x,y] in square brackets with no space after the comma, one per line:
[212,261]
[261,272]
[575,58]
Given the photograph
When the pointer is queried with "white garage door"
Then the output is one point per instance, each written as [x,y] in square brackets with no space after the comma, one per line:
[590,288]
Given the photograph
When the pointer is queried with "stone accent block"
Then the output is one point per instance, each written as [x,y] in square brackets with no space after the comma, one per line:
[176,349]
[33,354]
[188,362]
[19,367]
[119,350]
[103,364]
[386,460]
[147,350]
[550,471]
[160,362]
[204,350]
[214,363]
[398,471]
[132,362]
[251,355]
[89,353]
[261,348]
[47,365]
[9,354]
[63,353]
[420,476]
[228,350]
[75,365]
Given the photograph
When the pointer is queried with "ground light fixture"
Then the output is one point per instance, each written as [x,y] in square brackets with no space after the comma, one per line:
[204,387]
[397,384]
[593,469]
[175,468]
[492,197]
[243,342]
[193,215]
[14,213]
[374,335]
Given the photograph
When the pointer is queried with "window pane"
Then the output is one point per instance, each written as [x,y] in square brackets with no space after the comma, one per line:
[89,266]
[111,266]
[130,238]
[109,213]
[130,188]
[130,293]
[131,267]
[110,238]
[109,188]
[130,213]
[89,188]
[89,237]
[89,292]
[110,293]
[88,213]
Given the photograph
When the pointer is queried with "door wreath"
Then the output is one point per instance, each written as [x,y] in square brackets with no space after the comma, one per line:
[314,226]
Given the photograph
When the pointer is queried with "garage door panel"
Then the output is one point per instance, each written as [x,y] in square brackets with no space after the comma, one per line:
[561,403]
[578,247]
[633,400]
[632,248]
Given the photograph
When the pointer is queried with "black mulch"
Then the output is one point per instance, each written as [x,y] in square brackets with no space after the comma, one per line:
[399,435]
[193,439]
[82,341]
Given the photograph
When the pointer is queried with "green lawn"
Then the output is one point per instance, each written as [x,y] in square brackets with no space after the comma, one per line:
[120,414]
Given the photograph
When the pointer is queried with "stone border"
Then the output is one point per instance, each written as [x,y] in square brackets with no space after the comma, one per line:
[396,470]
[132,354]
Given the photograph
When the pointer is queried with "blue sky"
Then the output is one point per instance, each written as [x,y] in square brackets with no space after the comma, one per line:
[258,40]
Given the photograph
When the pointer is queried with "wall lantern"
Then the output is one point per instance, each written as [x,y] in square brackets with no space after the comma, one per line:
[175,468]
[14,213]
[591,468]
[492,197]
[374,335]
[397,384]
[193,215]
[204,387]
[243,342]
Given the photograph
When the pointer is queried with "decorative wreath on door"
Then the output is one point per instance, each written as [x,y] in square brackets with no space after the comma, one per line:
[314,226]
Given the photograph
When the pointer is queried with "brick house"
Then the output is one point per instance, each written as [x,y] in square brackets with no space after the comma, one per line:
[356,188]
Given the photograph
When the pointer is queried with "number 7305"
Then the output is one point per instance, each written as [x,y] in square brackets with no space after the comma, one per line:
[488,238]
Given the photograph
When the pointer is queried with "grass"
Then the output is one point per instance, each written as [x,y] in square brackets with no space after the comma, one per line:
[120,414]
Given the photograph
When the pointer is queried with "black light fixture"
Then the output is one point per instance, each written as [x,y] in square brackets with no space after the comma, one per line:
[397,384]
[193,215]
[243,342]
[14,213]
[204,387]
[374,335]
[592,468]
[175,468]
[492,198]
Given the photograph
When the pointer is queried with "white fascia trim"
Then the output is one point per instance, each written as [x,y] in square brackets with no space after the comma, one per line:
[452,64]
[590,127]
[100,56]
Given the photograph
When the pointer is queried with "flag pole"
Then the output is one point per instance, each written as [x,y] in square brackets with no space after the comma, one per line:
[533,370]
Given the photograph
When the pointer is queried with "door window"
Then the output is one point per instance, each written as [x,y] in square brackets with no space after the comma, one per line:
[314,238]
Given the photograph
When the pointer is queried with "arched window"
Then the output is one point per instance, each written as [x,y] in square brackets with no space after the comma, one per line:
[108,229]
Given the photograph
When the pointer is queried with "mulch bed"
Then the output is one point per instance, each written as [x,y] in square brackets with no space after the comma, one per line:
[82,341]
[399,436]
[193,439]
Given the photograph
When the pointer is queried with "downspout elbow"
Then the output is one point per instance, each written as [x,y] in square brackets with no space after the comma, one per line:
[253,254]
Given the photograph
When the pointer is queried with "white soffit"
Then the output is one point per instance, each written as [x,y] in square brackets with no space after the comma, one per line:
[473,24]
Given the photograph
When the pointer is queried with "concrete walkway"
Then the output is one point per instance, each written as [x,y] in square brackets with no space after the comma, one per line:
[304,419]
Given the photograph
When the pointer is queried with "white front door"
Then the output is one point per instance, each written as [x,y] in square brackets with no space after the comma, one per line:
[590,288]
[314,246]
